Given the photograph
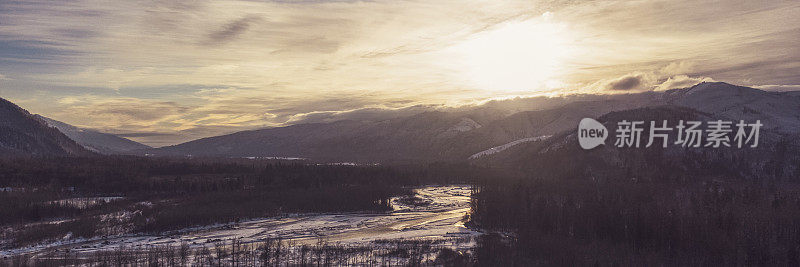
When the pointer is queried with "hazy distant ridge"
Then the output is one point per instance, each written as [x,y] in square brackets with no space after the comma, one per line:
[93,140]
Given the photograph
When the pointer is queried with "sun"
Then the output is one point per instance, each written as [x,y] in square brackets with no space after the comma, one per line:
[514,57]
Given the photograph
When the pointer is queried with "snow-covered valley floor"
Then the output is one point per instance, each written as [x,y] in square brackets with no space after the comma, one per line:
[433,214]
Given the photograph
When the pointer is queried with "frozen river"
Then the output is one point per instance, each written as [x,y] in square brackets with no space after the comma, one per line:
[435,213]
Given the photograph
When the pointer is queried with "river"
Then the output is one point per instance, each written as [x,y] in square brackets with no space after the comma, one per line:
[436,213]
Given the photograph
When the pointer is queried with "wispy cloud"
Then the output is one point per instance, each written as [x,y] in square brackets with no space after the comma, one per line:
[230,31]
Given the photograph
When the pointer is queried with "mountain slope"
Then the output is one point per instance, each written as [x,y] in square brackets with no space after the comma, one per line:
[429,136]
[776,157]
[24,134]
[412,138]
[455,135]
[93,140]
[777,110]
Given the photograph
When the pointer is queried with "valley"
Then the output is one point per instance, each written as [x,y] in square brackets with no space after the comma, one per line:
[435,215]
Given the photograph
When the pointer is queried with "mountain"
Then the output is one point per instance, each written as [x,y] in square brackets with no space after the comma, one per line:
[418,137]
[92,140]
[777,110]
[429,136]
[457,134]
[777,155]
[24,134]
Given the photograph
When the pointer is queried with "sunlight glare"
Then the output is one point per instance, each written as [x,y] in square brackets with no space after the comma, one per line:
[517,57]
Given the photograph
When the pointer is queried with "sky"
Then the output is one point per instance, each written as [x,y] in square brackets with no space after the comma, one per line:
[165,72]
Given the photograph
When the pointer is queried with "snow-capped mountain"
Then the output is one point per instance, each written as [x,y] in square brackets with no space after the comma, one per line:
[777,110]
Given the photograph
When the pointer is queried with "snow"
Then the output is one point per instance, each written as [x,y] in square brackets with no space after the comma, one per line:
[277,158]
[83,202]
[464,125]
[440,219]
[508,145]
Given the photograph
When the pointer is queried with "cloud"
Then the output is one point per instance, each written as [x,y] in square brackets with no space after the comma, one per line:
[75,33]
[636,81]
[625,83]
[144,134]
[647,81]
[230,31]
[678,67]
[149,112]
[119,112]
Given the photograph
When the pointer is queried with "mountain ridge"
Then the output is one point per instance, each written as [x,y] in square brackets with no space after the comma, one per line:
[95,141]
[456,135]
[22,133]
[776,155]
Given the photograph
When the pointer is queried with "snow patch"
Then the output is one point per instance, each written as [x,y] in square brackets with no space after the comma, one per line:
[508,145]
[465,125]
